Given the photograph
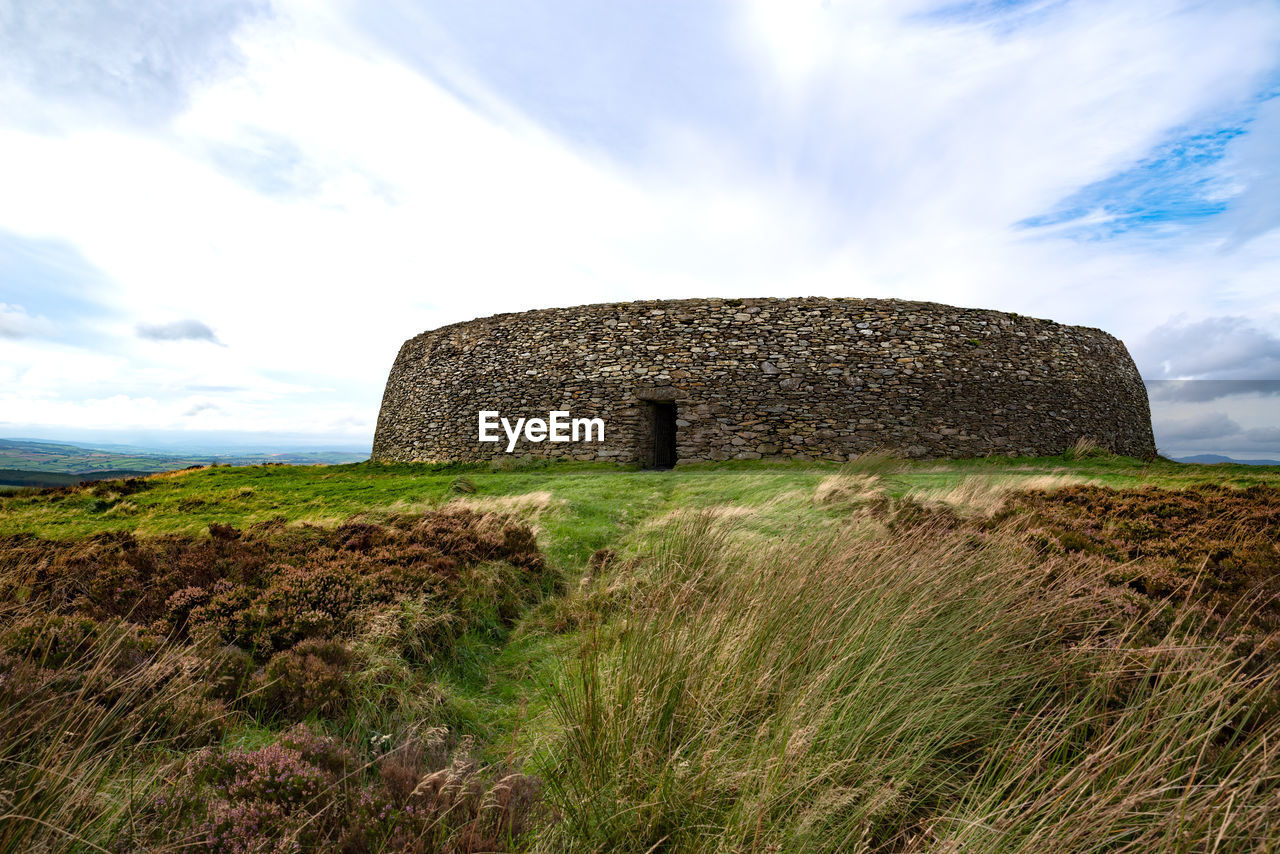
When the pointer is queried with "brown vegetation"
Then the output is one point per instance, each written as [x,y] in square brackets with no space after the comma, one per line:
[1213,547]
[120,649]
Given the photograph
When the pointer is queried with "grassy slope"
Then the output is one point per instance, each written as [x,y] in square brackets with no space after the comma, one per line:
[577,509]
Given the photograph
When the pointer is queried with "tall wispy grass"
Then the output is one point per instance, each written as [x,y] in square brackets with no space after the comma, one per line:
[930,690]
[78,760]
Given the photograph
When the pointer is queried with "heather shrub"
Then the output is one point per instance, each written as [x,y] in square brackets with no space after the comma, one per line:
[297,603]
[128,486]
[252,828]
[52,640]
[310,677]
[328,754]
[226,672]
[313,792]
[1211,548]
[119,651]
[214,580]
[180,604]
[261,800]
[273,774]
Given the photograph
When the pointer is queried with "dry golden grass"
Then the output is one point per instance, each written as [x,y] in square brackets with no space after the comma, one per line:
[719,511]
[979,495]
[528,507]
[848,488]
[169,475]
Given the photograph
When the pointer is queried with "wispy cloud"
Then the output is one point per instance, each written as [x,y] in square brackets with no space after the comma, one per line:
[266,162]
[1180,182]
[68,60]
[16,323]
[197,408]
[1255,161]
[178,330]
[1222,178]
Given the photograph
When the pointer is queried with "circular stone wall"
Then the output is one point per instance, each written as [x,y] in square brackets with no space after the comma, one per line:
[766,378]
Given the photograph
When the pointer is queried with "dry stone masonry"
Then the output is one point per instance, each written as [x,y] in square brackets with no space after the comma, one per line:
[802,379]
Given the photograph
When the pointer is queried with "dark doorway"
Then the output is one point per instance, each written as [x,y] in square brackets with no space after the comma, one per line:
[664,435]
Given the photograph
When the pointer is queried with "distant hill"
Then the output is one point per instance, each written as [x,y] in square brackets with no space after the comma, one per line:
[26,455]
[18,478]
[1213,459]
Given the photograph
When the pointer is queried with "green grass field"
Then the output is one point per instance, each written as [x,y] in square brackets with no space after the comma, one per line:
[583,506]
[979,655]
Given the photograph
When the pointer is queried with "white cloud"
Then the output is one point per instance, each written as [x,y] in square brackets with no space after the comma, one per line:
[188,329]
[136,61]
[1213,348]
[1256,159]
[16,323]
[326,201]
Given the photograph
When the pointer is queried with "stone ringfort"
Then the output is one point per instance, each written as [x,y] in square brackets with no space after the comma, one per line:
[803,379]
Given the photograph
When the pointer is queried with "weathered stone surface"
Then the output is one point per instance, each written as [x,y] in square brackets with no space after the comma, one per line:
[843,376]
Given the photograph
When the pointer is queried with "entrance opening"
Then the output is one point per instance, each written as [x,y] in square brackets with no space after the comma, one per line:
[664,435]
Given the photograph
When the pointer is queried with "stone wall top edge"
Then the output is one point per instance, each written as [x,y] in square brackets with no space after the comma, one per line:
[922,306]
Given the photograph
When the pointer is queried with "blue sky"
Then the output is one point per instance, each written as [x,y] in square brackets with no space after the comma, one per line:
[222,218]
